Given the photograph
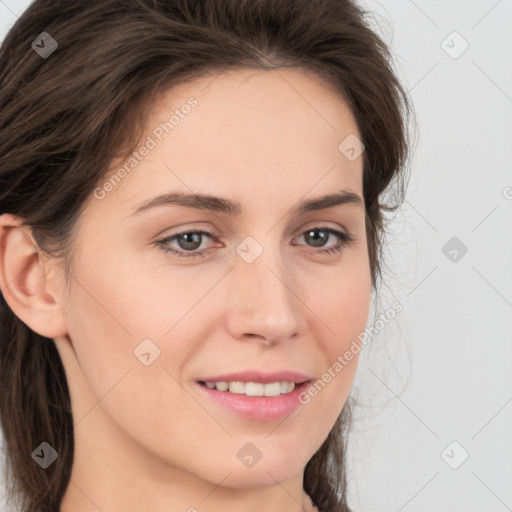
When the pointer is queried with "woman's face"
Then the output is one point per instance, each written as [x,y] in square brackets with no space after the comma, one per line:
[256,289]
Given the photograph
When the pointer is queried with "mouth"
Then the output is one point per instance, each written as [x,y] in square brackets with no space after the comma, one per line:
[268,401]
[268,389]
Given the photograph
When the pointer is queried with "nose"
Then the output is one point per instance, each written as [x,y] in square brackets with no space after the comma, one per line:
[263,305]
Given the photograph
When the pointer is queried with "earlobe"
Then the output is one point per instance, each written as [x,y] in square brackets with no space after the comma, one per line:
[24,282]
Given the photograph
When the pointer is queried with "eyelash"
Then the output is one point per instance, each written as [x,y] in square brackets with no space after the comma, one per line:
[345,240]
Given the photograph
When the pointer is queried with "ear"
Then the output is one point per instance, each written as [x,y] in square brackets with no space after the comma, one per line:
[24,280]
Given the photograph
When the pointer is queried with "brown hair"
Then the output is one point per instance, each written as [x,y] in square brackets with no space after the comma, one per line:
[65,117]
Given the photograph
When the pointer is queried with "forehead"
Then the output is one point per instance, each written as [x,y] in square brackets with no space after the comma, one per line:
[291,98]
[236,132]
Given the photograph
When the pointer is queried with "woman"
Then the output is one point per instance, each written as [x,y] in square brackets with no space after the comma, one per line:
[190,233]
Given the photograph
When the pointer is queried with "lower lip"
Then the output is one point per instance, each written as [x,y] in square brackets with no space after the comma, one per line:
[262,408]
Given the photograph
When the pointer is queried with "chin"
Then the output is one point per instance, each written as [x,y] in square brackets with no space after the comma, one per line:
[262,474]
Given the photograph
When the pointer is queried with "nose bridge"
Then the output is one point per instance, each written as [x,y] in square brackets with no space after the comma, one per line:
[262,301]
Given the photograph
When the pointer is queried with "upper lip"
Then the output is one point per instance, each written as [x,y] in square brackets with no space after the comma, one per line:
[260,377]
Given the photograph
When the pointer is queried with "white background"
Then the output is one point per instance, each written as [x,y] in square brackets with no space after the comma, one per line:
[441,372]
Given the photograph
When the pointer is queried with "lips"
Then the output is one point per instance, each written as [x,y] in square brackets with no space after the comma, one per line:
[259,408]
[259,377]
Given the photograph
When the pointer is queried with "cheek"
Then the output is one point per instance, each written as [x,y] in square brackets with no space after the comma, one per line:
[108,322]
[127,315]
[342,304]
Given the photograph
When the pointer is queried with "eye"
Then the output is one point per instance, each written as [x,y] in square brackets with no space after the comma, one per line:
[319,235]
[188,242]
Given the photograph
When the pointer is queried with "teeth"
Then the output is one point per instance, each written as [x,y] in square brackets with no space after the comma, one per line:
[237,387]
[253,388]
[222,386]
[272,389]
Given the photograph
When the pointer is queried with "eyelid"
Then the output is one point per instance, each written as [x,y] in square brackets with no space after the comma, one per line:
[164,241]
[345,238]
[214,233]
[191,227]
[318,224]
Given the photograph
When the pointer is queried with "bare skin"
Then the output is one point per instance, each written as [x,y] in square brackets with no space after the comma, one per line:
[147,437]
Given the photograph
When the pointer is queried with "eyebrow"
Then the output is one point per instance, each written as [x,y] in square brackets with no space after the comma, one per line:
[218,204]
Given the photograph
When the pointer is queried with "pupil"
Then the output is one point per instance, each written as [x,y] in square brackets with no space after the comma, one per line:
[190,238]
[315,238]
